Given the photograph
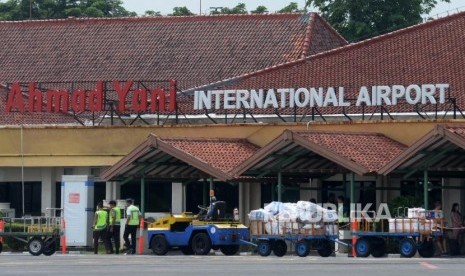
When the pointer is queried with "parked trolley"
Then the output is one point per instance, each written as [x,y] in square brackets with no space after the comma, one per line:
[414,233]
[41,234]
[274,236]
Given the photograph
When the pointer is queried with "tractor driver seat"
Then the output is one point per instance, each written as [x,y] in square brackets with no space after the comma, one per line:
[218,211]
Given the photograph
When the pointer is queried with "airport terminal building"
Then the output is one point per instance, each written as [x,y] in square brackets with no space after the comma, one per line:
[255,107]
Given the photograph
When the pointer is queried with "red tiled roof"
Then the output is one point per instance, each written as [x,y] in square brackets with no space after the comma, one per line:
[193,50]
[432,52]
[371,150]
[199,158]
[221,153]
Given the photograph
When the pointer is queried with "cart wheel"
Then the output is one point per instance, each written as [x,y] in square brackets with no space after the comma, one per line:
[378,248]
[325,249]
[50,247]
[407,248]
[426,250]
[229,250]
[279,248]
[362,247]
[1,247]
[302,248]
[264,248]
[159,245]
[201,244]
[35,246]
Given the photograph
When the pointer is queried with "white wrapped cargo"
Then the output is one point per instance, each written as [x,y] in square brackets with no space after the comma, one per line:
[260,215]
[416,213]
[279,218]
[274,207]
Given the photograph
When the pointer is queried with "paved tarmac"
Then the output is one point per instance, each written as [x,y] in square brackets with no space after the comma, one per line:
[88,264]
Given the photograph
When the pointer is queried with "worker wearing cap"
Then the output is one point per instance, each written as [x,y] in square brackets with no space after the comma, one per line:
[100,228]
[115,226]
[132,223]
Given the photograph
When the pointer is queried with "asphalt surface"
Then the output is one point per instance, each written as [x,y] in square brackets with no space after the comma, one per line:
[87,264]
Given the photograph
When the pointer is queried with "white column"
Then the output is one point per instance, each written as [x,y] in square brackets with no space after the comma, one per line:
[116,190]
[109,190]
[48,199]
[177,198]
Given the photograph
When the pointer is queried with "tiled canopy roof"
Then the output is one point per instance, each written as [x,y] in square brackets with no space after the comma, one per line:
[428,53]
[193,50]
[223,154]
[442,150]
[371,150]
[182,158]
[317,152]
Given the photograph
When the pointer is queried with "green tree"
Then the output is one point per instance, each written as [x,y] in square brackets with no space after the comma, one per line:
[181,11]
[292,7]
[238,9]
[260,9]
[152,13]
[54,9]
[360,19]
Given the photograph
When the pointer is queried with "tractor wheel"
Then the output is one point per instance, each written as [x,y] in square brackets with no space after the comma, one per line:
[229,250]
[186,250]
[201,244]
[302,248]
[35,246]
[159,245]
[326,249]
[426,250]
[279,248]
[407,248]
[378,248]
[50,247]
[362,247]
[264,248]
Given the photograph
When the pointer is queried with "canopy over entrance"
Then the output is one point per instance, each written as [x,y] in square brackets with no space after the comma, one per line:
[321,153]
[441,152]
[182,158]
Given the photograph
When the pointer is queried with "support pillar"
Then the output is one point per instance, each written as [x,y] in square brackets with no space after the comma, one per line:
[352,188]
[109,190]
[48,189]
[177,198]
[212,186]
[280,186]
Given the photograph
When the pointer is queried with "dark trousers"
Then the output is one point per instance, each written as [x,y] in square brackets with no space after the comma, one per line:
[115,236]
[101,234]
[130,230]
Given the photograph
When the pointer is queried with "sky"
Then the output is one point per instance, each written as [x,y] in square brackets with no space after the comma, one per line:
[165,7]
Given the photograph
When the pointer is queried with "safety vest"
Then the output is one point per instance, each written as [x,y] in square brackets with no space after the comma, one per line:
[115,215]
[340,212]
[134,215]
[102,218]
